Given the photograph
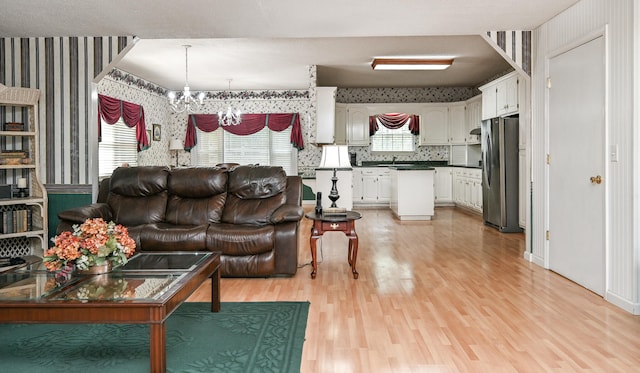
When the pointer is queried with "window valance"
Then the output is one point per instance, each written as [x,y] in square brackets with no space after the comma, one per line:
[111,110]
[251,123]
[394,121]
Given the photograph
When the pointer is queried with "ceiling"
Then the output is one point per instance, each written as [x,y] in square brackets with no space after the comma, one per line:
[269,44]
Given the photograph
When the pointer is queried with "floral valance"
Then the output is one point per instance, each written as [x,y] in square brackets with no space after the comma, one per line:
[111,110]
[251,123]
[394,121]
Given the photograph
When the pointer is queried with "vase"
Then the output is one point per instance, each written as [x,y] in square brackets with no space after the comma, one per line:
[96,269]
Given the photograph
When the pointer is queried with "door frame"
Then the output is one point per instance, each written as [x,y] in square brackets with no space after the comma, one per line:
[601,32]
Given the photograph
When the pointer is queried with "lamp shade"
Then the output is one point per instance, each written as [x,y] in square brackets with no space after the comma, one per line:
[175,144]
[335,156]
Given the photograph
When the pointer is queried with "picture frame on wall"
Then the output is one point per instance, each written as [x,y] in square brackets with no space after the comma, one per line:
[157,132]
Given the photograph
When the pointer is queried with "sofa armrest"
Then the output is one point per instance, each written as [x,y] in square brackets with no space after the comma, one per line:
[78,215]
[287,213]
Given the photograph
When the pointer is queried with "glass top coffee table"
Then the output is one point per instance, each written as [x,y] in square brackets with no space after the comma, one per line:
[144,291]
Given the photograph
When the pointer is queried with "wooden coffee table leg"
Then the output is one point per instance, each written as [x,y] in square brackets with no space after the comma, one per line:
[215,291]
[157,345]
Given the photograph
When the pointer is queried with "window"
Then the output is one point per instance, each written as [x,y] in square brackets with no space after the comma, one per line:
[397,140]
[265,147]
[118,146]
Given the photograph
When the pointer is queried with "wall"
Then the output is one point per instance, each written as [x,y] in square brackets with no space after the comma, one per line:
[577,22]
[63,68]
[395,95]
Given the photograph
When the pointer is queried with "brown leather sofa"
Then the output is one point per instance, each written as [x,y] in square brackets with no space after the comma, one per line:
[251,214]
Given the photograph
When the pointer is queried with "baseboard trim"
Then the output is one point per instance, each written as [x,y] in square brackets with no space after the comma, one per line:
[631,307]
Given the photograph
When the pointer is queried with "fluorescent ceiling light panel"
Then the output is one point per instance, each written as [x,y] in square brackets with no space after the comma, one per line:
[411,63]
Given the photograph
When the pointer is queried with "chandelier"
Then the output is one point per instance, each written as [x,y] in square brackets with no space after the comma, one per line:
[185,101]
[230,117]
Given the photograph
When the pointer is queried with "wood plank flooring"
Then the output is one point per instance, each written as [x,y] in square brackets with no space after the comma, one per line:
[449,295]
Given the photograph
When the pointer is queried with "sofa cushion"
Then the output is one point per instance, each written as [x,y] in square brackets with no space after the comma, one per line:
[197,195]
[171,237]
[138,195]
[249,182]
[254,193]
[239,240]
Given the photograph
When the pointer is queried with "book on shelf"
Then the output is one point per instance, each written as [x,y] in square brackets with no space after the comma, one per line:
[13,126]
[14,154]
[16,221]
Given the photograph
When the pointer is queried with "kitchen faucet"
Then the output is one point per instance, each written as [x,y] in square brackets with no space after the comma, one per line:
[393,161]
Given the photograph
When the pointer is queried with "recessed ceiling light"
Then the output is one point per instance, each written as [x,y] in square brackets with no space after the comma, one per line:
[411,63]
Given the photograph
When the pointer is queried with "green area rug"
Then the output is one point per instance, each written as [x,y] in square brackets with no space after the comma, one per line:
[242,337]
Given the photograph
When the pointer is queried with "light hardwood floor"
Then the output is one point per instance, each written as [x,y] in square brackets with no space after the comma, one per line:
[450,295]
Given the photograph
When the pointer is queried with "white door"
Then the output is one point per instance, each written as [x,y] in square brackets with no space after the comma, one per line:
[576,148]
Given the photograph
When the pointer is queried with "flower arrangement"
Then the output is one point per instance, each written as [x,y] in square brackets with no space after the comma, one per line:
[91,243]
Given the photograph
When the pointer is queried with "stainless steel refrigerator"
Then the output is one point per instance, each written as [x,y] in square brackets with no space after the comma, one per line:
[500,173]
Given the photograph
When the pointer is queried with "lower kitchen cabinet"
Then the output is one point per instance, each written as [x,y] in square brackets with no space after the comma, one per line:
[467,188]
[371,185]
[443,186]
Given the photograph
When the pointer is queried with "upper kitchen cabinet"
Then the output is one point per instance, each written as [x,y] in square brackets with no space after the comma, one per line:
[357,125]
[473,118]
[325,114]
[340,135]
[434,125]
[457,124]
[500,97]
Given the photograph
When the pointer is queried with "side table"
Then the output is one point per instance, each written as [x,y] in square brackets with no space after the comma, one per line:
[335,223]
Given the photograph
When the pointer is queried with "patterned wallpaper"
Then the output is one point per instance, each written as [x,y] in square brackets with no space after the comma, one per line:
[127,87]
[395,95]
[122,85]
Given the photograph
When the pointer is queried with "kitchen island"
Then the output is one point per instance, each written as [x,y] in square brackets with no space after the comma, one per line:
[412,195]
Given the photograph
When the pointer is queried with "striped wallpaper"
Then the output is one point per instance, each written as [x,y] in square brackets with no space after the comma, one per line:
[63,68]
[516,45]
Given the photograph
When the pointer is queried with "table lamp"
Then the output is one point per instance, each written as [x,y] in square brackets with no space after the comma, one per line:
[334,156]
[175,145]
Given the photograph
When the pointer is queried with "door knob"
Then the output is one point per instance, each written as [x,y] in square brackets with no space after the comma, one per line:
[596,179]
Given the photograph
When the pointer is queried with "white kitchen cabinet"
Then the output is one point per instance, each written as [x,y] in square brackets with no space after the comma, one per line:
[340,131]
[507,96]
[384,186]
[369,186]
[357,125]
[434,125]
[325,114]
[473,118]
[457,124]
[501,96]
[443,186]
[374,184]
[467,188]
[489,104]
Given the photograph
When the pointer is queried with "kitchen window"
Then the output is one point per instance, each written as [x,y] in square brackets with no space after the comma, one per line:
[265,148]
[393,140]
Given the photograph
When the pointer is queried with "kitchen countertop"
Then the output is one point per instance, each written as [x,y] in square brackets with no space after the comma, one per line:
[399,165]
